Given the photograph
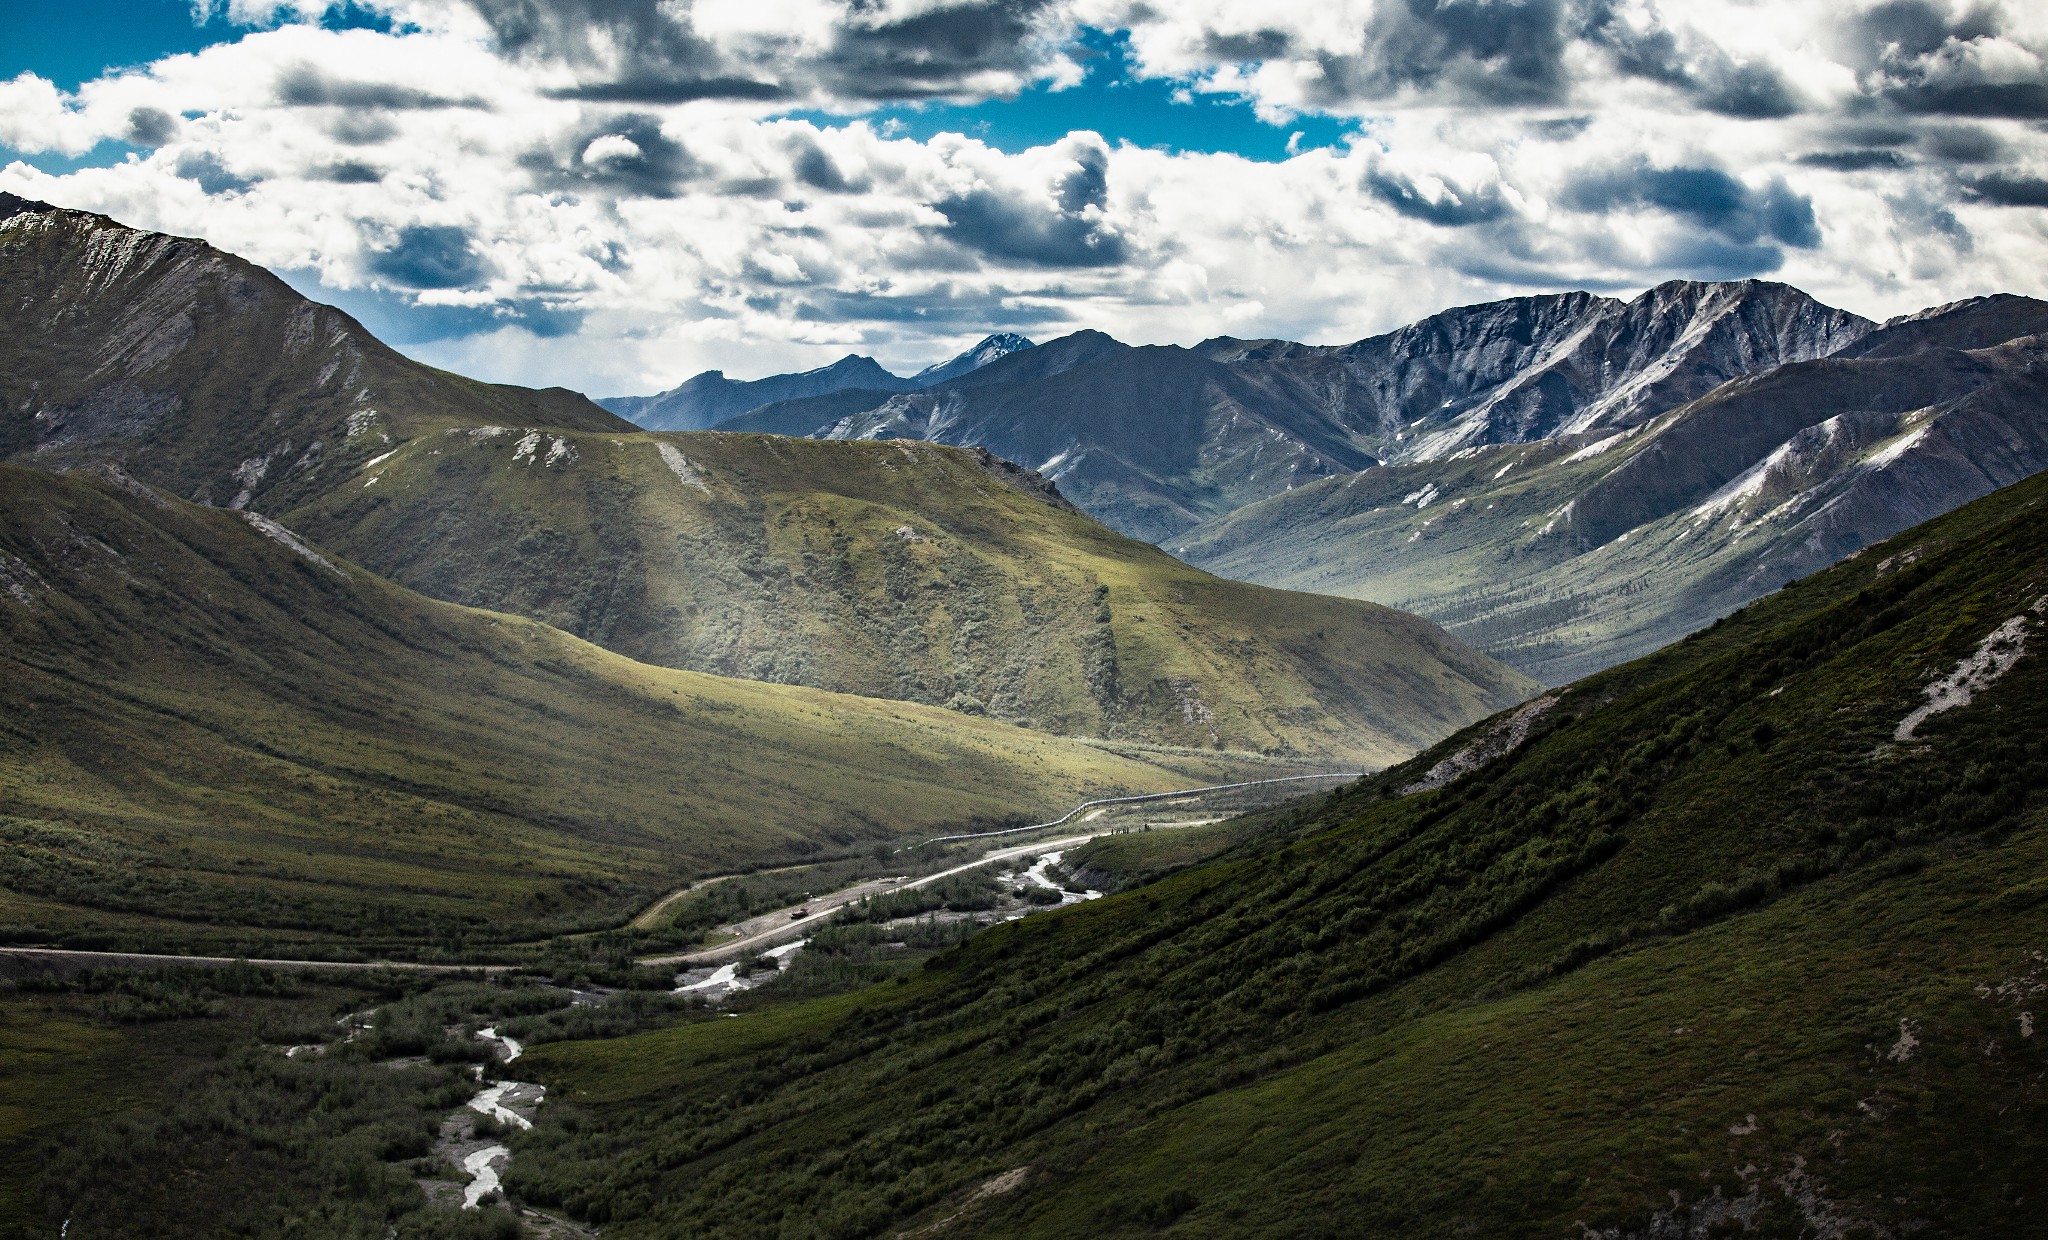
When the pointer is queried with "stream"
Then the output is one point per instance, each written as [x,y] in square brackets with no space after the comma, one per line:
[485,1164]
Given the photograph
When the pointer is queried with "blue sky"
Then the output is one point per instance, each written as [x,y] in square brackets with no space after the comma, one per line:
[1119,105]
[613,194]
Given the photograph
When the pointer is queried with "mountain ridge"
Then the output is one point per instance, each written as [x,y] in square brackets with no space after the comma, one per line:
[1156,439]
[206,373]
[1566,555]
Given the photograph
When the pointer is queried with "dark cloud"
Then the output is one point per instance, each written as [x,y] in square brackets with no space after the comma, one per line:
[1707,196]
[351,172]
[1914,55]
[2022,100]
[1964,144]
[1704,256]
[1705,74]
[936,52]
[643,88]
[1246,48]
[1903,29]
[151,127]
[1486,51]
[815,168]
[1751,92]
[1456,206]
[1000,226]
[2001,190]
[646,51]
[1853,161]
[659,167]
[1561,128]
[306,86]
[362,128]
[212,175]
[424,257]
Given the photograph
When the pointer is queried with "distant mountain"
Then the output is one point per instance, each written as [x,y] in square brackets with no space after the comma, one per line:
[1148,440]
[899,570]
[216,736]
[1155,440]
[1743,938]
[990,349]
[205,373]
[1572,553]
[710,398]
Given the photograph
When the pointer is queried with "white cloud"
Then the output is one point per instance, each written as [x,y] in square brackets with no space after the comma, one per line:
[578,211]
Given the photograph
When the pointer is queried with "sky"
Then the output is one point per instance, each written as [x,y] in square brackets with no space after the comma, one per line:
[614,195]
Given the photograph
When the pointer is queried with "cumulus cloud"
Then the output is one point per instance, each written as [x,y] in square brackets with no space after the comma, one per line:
[614,193]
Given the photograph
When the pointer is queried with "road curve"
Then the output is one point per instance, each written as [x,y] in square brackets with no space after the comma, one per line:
[770,928]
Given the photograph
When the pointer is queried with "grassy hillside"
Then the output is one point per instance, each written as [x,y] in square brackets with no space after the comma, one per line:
[1569,555]
[214,736]
[204,373]
[1698,946]
[896,570]
[913,575]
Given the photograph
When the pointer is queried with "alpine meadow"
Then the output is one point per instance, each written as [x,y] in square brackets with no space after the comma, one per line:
[928,619]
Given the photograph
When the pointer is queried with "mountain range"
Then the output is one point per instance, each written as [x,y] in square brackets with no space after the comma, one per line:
[705,400]
[1541,475]
[1574,552]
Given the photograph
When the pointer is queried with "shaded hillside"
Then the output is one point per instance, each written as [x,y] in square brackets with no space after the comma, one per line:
[205,374]
[213,734]
[897,570]
[1730,939]
[1569,555]
[1154,440]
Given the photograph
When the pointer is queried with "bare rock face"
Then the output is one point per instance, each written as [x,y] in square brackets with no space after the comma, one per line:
[203,373]
[1535,368]
[1571,553]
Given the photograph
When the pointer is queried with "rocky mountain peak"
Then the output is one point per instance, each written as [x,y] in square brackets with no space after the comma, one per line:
[991,348]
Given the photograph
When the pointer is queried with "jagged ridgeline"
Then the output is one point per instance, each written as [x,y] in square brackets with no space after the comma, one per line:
[1568,554]
[896,570]
[1746,936]
[204,373]
[921,573]
[216,737]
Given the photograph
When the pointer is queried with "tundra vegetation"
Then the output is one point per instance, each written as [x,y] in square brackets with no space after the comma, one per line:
[1709,945]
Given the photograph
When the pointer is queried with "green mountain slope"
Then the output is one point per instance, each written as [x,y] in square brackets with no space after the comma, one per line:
[896,570]
[204,373]
[215,736]
[1739,936]
[1568,555]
